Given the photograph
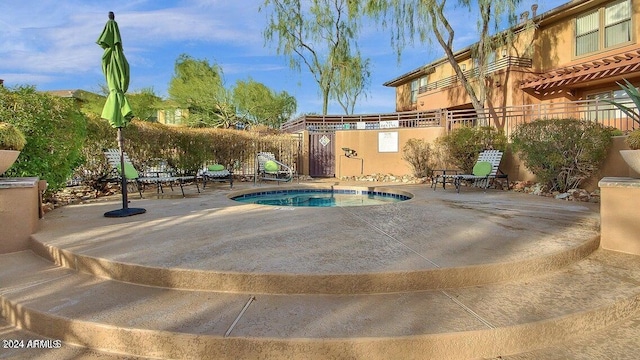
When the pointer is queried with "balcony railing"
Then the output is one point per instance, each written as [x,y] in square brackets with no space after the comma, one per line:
[324,123]
[505,62]
[506,118]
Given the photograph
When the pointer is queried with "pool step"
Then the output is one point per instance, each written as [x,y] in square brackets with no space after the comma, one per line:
[304,283]
[423,244]
[490,320]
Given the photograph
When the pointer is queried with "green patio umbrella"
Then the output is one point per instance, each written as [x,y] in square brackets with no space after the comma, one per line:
[117,109]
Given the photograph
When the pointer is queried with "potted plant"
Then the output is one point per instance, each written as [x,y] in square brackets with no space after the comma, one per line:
[632,156]
[12,141]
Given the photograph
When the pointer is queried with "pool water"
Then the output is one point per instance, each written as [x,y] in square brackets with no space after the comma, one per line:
[321,198]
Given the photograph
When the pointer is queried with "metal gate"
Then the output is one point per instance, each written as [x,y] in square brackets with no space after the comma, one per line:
[321,155]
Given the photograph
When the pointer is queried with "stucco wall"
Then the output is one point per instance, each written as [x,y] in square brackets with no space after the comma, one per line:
[618,214]
[19,212]
[372,161]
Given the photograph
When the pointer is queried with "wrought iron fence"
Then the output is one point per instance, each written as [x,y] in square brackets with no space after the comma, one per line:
[507,118]
[286,150]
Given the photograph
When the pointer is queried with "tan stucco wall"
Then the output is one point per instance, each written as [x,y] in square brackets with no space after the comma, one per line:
[19,212]
[613,166]
[370,160]
[618,215]
[365,142]
[555,41]
[403,98]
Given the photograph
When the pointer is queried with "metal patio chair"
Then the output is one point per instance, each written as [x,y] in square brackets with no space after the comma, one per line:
[485,170]
[270,169]
[158,174]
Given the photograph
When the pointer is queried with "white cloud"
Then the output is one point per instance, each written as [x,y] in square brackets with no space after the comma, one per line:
[51,44]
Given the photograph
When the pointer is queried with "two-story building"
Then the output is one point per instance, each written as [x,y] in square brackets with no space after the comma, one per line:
[559,62]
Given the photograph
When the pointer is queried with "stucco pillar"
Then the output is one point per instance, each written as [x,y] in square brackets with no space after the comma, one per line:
[620,214]
[19,212]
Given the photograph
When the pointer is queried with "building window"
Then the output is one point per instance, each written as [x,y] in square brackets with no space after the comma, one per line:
[414,91]
[424,81]
[173,117]
[603,28]
[617,23]
[587,27]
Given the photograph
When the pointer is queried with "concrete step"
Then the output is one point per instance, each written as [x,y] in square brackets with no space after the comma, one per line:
[249,282]
[436,240]
[618,341]
[23,344]
[488,320]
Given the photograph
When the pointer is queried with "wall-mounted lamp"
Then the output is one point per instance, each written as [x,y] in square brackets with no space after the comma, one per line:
[349,152]
[504,52]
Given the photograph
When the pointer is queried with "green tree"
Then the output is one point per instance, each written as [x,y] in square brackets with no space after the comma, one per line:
[198,86]
[353,84]
[429,19]
[145,104]
[258,104]
[321,34]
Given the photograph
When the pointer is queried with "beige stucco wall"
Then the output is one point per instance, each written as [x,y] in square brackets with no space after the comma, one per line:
[613,166]
[19,212]
[618,214]
[555,41]
[369,159]
[403,98]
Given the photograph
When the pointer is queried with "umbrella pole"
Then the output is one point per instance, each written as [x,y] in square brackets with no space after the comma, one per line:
[125,211]
[125,200]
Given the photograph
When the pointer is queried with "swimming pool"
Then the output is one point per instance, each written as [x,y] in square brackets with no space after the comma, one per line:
[321,197]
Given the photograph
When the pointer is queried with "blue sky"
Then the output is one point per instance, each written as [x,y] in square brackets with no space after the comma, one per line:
[51,44]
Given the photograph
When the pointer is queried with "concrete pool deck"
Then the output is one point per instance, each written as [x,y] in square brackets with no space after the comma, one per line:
[443,275]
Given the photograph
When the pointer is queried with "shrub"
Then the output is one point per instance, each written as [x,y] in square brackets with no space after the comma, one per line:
[54,129]
[185,149]
[617,132]
[11,138]
[633,140]
[462,145]
[417,152]
[562,152]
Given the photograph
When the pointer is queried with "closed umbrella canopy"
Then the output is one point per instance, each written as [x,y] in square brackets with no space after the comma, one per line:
[117,109]
[116,71]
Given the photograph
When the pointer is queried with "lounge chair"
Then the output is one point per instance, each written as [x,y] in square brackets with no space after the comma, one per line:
[485,170]
[216,172]
[158,174]
[270,169]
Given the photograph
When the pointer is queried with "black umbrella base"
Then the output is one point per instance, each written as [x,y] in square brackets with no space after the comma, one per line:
[125,212]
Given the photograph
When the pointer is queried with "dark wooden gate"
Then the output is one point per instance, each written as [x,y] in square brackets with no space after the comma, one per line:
[321,155]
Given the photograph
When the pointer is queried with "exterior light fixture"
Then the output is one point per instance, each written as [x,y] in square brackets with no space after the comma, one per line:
[349,152]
